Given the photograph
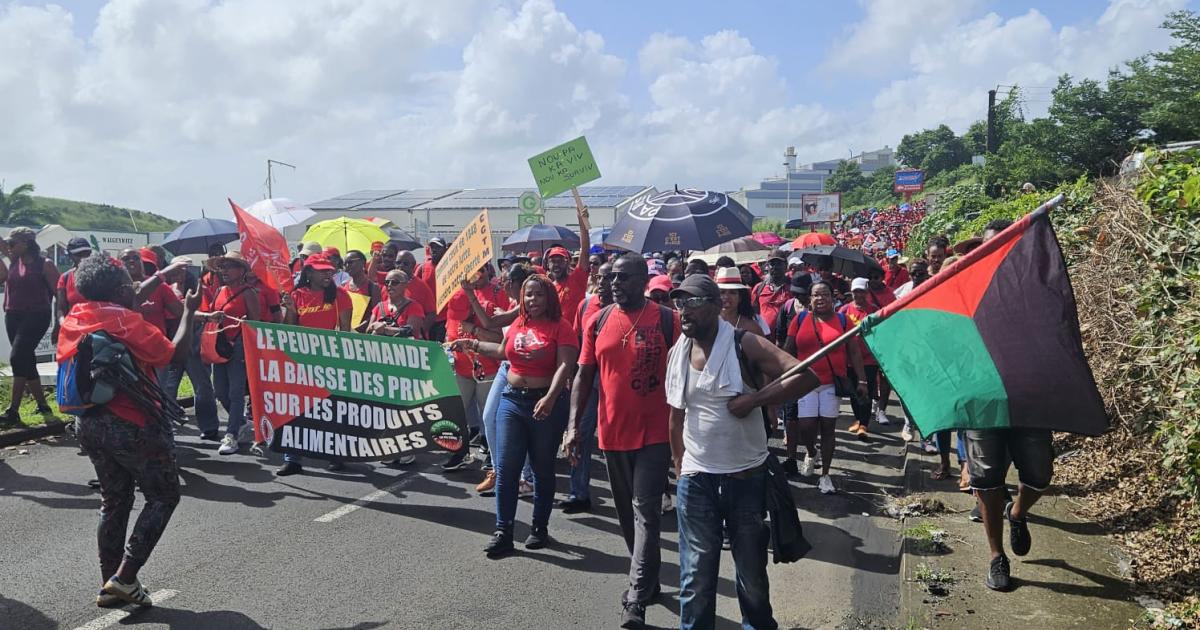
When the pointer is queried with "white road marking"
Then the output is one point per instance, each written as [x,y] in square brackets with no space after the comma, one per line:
[113,617]
[374,496]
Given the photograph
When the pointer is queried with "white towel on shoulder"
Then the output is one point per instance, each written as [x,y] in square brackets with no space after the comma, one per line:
[721,375]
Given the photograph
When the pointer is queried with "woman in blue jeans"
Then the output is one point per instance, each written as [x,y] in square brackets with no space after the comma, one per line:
[541,349]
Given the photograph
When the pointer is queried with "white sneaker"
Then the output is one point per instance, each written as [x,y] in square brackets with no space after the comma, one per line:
[525,489]
[806,468]
[881,417]
[229,445]
[668,504]
[906,434]
[826,485]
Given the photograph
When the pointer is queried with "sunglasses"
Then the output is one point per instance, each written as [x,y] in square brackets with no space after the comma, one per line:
[692,302]
[392,283]
[619,276]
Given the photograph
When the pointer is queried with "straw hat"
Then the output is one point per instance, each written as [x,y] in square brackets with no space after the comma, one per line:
[729,279]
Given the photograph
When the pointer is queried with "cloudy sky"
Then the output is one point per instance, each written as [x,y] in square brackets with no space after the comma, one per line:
[170,106]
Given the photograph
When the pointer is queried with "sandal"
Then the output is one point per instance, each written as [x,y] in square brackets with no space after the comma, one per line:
[129,593]
[939,474]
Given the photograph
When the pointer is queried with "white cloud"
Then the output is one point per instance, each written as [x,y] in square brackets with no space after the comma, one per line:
[169,106]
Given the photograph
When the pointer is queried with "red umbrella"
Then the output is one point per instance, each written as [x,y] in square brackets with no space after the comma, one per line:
[812,239]
[770,239]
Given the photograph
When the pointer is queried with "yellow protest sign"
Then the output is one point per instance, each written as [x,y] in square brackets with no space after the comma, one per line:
[467,254]
[359,302]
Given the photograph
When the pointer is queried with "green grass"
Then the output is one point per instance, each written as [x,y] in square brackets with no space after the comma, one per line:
[29,415]
[82,215]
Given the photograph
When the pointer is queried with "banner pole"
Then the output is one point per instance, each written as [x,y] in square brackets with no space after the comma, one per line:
[819,354]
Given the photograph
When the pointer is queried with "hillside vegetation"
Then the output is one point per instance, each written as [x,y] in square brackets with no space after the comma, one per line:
[81,215]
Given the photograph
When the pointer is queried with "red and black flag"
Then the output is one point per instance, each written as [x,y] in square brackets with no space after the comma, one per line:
[992,341]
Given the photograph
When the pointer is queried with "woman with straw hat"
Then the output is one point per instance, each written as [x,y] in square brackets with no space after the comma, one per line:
[735,302]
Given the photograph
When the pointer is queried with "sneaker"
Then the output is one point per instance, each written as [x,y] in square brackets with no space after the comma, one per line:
[881,416]
[524,489]
[633,616]
[475,437]
[862,434]
[335,466]
[229,445]
[501,544]
[790,469]
[826,485]
[906,434]
[210,436]
[128,593]
[458,460]
[854,427]
[289,468]
[668,504]
[538,538]
[929,447]
[1018,532]
[810,462]
[104,600]
[574,505]
[998,574]
[400,462]
[976,516]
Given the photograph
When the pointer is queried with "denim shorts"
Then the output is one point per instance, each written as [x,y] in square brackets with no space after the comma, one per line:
[990,451]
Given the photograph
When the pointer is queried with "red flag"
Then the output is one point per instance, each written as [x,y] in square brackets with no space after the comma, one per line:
[265,249]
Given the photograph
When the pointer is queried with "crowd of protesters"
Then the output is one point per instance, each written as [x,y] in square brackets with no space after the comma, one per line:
[661,363]
[878,229]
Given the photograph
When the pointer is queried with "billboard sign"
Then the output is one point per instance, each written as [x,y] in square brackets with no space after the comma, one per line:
[822,208]
[909,181]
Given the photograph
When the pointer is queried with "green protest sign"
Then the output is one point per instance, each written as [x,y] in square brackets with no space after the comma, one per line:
[351,397]
[562,168]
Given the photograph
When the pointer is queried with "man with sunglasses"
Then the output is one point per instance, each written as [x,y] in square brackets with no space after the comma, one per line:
[626,345]
[773,292]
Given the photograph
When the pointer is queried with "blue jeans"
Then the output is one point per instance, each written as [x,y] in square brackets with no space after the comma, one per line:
[519,436]
[490,407]
[942,439]
[704,502]
[581,473]
[229,381]
[200,374]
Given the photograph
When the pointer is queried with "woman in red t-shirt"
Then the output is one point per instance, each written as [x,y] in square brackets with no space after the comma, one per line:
[396,313]
[316,303]
[541,348]
[235,299]
[818,410]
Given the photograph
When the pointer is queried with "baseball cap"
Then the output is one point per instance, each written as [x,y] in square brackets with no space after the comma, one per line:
[801,283]
[311,247]
[78,245]
[659,283]
[318,262]
[795,260]
[148,257]
[892,253]
[859,284]
[558,251]
[697,285]
[439,240]
[330,251]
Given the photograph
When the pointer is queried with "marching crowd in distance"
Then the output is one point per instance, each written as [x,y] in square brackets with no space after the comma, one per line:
[659,362]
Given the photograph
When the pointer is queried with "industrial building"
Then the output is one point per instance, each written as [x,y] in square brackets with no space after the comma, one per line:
[781,198]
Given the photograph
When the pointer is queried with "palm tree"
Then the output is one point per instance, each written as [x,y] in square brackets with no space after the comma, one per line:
[17,208]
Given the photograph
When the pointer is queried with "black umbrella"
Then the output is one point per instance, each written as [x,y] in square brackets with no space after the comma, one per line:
[540,238]
[680,219]
[848,263]
[197,235]
[402,239]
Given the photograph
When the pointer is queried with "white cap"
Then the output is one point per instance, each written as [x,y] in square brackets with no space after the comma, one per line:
[795,260]
[859,284]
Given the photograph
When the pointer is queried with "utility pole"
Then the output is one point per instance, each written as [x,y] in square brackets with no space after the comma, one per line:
[991,123]
[270,191]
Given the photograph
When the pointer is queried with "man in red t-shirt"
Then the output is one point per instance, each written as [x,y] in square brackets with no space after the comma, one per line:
[417,290]
[774,291]
[629,352]
[896,275]
[427,273]
[571,284]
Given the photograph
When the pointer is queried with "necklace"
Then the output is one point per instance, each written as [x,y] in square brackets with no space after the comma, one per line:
[625,337]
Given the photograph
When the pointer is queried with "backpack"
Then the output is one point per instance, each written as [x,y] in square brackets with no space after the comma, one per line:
[666,322]
[81,385]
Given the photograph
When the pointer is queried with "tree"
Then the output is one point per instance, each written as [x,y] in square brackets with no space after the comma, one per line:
[1165,86]
[846,177]
[933,150]
[17,208]
[1094,129]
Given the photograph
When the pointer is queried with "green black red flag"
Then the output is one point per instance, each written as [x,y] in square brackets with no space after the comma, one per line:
[993,341]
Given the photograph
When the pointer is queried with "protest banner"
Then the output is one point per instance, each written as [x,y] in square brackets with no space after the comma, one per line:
[564,167]
[469,252]
[351,397]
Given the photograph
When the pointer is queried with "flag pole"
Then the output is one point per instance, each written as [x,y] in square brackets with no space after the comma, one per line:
[875,318]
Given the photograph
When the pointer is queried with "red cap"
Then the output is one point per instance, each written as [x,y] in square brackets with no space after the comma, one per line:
[330,251]
[659,283]
[533,254]
[318,262]
[149,257]
[558,251]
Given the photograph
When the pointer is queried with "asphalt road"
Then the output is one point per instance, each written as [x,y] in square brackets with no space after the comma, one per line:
[377,548]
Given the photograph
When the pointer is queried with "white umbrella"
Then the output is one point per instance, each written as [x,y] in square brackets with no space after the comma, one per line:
[280,212]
